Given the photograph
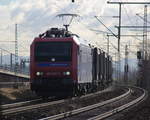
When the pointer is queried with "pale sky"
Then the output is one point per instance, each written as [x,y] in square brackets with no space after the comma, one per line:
[36,16]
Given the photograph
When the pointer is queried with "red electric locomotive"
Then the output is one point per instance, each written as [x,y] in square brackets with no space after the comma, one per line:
[61,64]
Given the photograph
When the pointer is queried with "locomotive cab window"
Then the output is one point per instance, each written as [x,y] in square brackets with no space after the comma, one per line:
[53,51]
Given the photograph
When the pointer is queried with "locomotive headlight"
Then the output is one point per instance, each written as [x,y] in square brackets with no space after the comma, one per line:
[39,73]
[67,73]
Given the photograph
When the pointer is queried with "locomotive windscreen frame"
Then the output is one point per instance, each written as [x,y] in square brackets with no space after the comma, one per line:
[46,51]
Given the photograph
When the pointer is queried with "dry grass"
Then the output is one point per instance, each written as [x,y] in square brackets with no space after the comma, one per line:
[8,92]
[9,95]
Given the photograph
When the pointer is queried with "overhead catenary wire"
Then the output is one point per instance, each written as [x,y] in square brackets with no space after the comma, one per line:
[129,18]
[95,33]
[101,31]
[8,52]
[142,18]
[106,27]
[88,28]
[127,13]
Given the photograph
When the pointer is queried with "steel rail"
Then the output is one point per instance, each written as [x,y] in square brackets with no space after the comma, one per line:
[87,108]
[121,108]
[30,107]
[17,104]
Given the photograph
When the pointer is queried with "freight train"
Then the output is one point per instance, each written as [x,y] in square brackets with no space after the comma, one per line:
[63,64]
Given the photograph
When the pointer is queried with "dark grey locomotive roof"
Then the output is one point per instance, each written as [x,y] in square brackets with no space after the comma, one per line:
[62,33]
[57,33]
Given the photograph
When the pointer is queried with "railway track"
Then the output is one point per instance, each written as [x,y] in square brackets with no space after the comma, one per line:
[104,109]
[16,108]
[19,104]
[32,110]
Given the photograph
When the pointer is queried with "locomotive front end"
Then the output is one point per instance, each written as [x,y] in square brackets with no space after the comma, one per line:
[53,66]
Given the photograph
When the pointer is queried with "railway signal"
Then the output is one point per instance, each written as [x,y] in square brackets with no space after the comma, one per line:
[139,54]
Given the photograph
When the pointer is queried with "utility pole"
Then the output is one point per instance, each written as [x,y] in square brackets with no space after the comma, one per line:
[1,57]
[126,67]
[145,55]
[119,30]
[107,44]
[16,54]
[11,64]
[119,33]
[16,48]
